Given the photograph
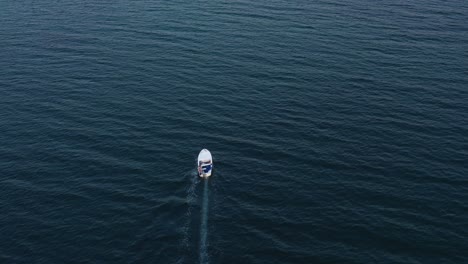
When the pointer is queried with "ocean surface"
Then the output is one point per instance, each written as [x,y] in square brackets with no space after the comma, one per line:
[339,131]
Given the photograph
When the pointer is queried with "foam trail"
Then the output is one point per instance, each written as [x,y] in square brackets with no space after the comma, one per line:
[191,197]
[204,226]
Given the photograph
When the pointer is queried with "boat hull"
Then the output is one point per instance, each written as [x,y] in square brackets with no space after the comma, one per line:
[205,157]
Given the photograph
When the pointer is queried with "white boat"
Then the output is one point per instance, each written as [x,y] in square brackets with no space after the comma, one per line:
[205,163]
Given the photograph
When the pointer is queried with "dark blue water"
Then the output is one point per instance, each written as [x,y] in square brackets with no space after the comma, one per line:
[339,131]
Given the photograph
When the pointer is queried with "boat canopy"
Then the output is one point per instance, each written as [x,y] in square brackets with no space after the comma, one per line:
[206,168]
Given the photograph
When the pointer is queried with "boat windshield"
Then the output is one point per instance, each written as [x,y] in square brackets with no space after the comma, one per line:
[203,162]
